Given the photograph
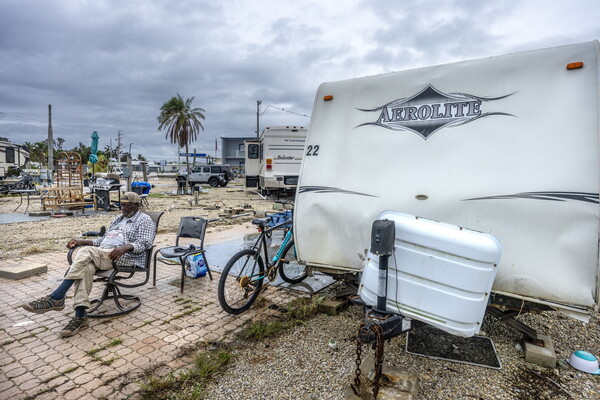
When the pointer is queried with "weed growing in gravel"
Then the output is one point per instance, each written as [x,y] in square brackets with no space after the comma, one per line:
[296,313]
[189,384]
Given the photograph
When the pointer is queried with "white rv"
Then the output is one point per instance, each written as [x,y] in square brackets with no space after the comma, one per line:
[273,162]
[12,156]
[504,145]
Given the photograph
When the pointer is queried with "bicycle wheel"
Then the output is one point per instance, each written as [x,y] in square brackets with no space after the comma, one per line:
[241,281]
[289,269]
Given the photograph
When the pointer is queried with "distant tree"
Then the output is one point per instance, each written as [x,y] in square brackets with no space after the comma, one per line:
[4,139]
[101,165]
[83,151]
[37,151]
[58,144]
[182,123]
[141,158]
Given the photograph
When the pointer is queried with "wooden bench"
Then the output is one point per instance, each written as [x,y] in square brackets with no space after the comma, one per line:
[65,197]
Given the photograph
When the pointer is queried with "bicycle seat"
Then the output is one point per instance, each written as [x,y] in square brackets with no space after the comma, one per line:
[262,222]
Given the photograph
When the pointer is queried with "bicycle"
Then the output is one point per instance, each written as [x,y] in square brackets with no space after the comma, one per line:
[243,276]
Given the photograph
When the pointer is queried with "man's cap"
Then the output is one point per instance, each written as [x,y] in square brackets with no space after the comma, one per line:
[131,197]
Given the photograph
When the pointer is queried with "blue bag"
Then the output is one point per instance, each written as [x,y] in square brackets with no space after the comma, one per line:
[279,218]
[195,266]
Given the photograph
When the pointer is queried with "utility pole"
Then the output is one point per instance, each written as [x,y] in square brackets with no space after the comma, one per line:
[257,117]
[50,145]
[119,136]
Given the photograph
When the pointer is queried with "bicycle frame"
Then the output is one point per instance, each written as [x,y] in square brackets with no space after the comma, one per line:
[261,245]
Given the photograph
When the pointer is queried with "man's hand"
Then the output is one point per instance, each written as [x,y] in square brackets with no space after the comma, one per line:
[77,242]
[117,252]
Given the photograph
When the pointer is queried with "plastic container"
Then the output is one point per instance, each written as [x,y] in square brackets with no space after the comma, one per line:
[440,274]
[584,361]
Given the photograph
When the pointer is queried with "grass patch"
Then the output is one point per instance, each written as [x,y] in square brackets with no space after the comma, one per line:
[6,343]
[189,384]
[296,312]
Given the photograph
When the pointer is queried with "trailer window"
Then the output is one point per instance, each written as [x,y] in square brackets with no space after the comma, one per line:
[253,151]
[10,155]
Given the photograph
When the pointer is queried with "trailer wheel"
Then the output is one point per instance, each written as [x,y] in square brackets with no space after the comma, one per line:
[213,182]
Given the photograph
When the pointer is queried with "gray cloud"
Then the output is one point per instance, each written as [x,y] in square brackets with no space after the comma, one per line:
[109,65]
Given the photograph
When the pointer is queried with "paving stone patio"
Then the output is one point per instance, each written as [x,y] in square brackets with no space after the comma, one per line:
[106,359]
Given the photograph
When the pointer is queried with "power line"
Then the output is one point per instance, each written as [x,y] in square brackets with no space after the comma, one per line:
[62,127]
[3,114]
[283,109]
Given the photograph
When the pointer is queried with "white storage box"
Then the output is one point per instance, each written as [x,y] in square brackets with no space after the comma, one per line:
[440,274]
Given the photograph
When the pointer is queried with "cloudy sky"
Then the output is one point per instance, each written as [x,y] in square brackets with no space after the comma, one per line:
[108,65]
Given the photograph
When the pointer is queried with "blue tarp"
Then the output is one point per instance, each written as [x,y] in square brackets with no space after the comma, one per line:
[145,186]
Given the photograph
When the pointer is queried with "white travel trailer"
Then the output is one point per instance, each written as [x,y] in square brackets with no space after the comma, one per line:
[12,156]
[504,145]
[273,162]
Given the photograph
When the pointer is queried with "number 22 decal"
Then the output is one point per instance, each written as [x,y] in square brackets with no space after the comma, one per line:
[312,150]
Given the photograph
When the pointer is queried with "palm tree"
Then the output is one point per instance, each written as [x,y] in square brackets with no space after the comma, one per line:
[182,123]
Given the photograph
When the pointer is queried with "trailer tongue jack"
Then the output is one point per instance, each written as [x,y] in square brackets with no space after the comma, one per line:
[383,236]
[379,324]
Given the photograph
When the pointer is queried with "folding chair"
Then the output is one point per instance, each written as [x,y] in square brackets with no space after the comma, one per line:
[189,227]
[113,280]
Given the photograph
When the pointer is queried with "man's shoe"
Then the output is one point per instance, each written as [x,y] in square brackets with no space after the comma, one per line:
[44,304]
[74,326]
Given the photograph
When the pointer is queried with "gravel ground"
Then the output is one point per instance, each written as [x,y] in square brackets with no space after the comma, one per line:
[49,235]
[301,365]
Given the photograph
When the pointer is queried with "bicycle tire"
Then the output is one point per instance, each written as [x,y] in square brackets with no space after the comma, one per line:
[289,269]
[239,268]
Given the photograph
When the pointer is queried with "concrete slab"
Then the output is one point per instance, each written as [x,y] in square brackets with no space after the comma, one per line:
[395,383]
[541,355]
[21,271]
[14,218]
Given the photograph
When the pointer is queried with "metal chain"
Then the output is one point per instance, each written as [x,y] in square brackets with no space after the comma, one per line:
[378,357]
[376,328]
[356,386]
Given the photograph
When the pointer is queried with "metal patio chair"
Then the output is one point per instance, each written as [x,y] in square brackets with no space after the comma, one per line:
[117,278]
[191,228]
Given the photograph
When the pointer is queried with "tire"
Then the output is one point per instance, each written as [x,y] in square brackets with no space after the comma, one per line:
[239,270]
[289,269]
[213,182]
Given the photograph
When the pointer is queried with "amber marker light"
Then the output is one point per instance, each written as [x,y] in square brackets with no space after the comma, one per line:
[575,65]
[328,97]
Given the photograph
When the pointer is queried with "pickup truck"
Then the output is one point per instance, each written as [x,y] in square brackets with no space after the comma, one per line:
[214,175]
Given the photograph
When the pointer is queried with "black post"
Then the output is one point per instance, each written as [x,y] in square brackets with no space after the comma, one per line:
[383,236]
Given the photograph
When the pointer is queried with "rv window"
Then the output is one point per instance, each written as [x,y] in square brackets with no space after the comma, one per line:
[252,151]
[10,155]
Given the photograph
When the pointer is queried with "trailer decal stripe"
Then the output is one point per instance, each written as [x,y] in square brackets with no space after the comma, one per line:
[551,196]
[326,189]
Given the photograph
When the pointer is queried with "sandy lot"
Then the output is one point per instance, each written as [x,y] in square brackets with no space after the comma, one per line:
[52,234]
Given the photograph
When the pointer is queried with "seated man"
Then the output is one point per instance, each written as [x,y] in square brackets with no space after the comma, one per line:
[128,237]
